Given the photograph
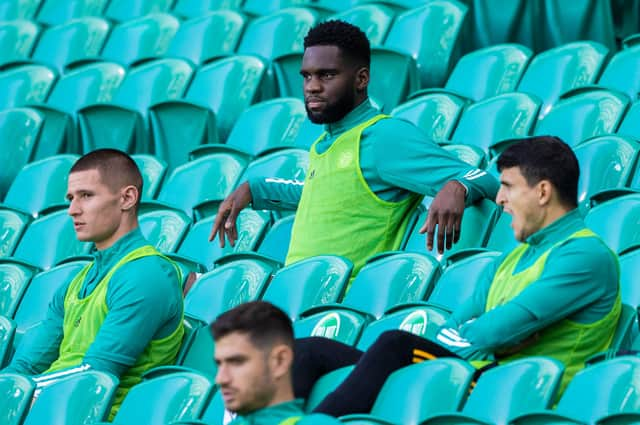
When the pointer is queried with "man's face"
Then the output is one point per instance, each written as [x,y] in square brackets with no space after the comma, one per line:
[521,201]
[95,209]
[330,84]
[244,376]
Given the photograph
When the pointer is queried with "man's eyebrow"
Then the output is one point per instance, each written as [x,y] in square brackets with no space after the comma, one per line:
[318,71]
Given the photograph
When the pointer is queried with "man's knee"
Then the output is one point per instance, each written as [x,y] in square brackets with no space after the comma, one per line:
[394,338]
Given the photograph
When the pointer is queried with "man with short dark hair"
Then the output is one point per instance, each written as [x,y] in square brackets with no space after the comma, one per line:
[554,295]
[122,313]
[367,171]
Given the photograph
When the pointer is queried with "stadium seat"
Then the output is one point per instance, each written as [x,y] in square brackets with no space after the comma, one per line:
[436,114]
[251,227]
[167,398]
[75,89]
[582,115]
[609,161]
[262,128]
[437,386]
[332,5]
[477,221]
[15,278]
[501,237]
[208,37]
[309,283]
[630,125]
[164,228]
[21,9]
[615,221]
[120,123]
[490,121]
[17,40]
[326,384]
[13,224]
[203,183]
[262,8]
[153,171]
[57,12]
[341,325]
[196,8]
[495,21]
[629,269]
[622,73]
[71,42]
[607,388]
[7,333]
[141,39]
[472,155]
[373,19]
[25,84]
[126,10]
[218,94]
[289,164]
[524,385]
[16,391]
[558,70]
[57,229]
[83,397]
[29,194]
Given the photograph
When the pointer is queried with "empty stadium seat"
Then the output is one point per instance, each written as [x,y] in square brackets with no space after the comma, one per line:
[17,40]
[373,19]
[582,115]
[262,8]
[629,268]
[153,171]
[436,386]
[15,279]
[197,8]
[622,73]
[309,283]
[615,221]
[436,114]
[25,84]
[16,391]
[164,228]
[126,10]
[207,37]
[558,70]
[630,125]
[7,333]
[21,9]
[13,224]
[288,164]
[83,397]
[216,97]
[57,12]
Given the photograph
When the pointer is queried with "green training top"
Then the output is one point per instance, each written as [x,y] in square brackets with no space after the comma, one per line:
[287,413]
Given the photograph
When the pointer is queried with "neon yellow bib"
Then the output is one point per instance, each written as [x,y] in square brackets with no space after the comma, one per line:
[338,213]
[84,317]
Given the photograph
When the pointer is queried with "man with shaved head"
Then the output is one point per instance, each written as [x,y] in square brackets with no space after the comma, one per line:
[122,313]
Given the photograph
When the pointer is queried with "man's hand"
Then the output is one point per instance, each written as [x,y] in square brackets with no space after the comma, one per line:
[446,211]
[228,211]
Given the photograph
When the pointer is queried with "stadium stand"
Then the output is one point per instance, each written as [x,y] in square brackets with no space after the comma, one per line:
[17,39]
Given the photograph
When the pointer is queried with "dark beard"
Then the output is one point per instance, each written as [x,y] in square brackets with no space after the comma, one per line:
[333,112]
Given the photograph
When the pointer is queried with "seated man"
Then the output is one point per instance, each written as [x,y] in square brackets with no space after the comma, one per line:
[554,295]
[122,313]
[254,354]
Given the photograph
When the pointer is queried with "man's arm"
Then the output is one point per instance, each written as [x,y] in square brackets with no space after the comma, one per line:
[144,302]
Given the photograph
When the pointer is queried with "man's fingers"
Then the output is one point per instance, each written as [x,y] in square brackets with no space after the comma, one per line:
[442,227]
[230,225]
[429,227]
[217,224]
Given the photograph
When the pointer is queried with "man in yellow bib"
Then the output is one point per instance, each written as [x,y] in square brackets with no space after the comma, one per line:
[123,312]
[367,171]
[554,295]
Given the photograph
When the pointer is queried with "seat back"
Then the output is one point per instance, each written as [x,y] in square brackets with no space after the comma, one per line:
[615,222]
[437,114]
[16,391]
[17,39]
[197,8]
[153,171]
[276,241]
[164,228]
[7,334]
[15,278]
[25,84]
[629,269]
[13,224]
[58,12]
[373,19]
[288,164]
[623,72]
[126,10]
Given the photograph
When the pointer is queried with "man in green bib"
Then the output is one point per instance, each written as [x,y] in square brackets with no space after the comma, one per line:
[367,171]
[554,295]
[254,354]
[123,312]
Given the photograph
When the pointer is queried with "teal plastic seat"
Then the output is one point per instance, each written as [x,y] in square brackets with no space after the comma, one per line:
[615,222]
[501,237]
[590,113]
[344,326]
[437,386]
[326,384]
[288,164]
[430,35]
[19,134]
[216,97]
[57,12]
[70,42]
[261,8]
[622,73]
[203,183]
[83,397]
[496,21]
[7,333]
[126,10]
[558,70]
[609,388]
[436,114]
[13,224]
[75,89]
[490,121]
[197,8]
[373,19]
[25,84]
[170,397]
[309,283]
[15,397]
[200,39]
[15,279]
[153,171]
[27,192]
[120,123]
[21,9]
[17,40]
[630,125]
[55,228]
[609,161]
[262,128]
[164,228]
[524,385]
[395,77]
[629,268]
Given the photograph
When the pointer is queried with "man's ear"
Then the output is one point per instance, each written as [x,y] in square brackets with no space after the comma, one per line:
[545,192]
[129,197]
[362,79]
[280,360]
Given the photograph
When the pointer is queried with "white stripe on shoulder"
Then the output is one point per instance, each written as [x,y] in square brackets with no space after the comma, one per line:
[284,181]
[474,174]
